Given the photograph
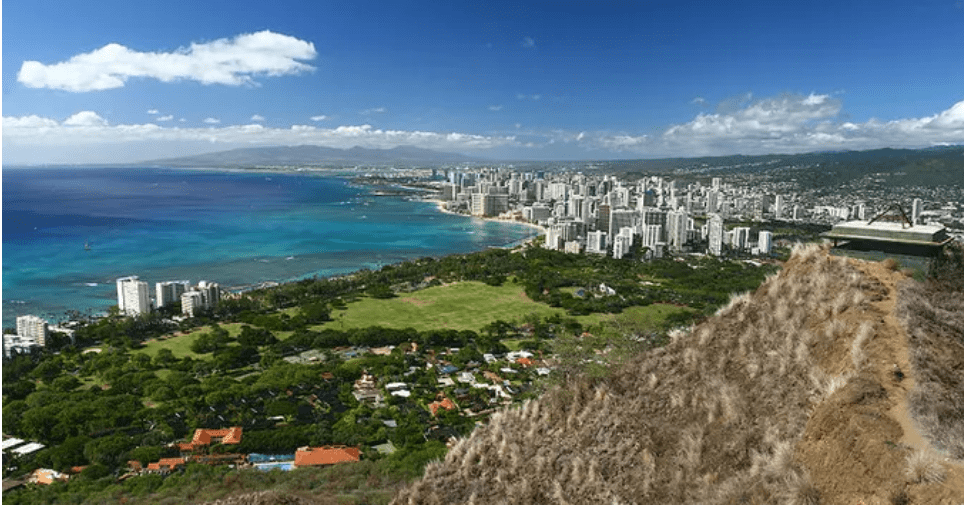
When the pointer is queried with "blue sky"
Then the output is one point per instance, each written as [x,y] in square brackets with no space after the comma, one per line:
[124,81]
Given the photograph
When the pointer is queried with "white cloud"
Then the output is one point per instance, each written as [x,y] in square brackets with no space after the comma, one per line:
[698,101]
[374,110]
[528,42]
[165,118]
[233,61]
[85,118]
[495,108]
[319,118]
[211,120]
[152,111]
[86,133]
[257,118]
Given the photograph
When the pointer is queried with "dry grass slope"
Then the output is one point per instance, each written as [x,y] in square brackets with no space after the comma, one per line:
[717,416]
[933,316]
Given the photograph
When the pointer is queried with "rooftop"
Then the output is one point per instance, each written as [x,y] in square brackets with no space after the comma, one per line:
[327,455]
[884,231]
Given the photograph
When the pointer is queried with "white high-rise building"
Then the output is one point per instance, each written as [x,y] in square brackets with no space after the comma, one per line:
[715,234]
[133,296]
[741,238]
[168,292]
[205,295]
[778,205]
[712,201]
[623,242]
[915,211]
[676,225]
[652,234]
[596,242]
[33,327]
[765,244]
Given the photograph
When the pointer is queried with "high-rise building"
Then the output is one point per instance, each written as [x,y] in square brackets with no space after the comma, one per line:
[602,217]
[33,327]
[619,218]
[133,297]
[596,242]
[168,292]
[651,235]
[712,201]
[741,238]
[778,205]
[716,183]
[765,243]
[206,295]
[915,211]
[623,242]
[676,225]
[715,234]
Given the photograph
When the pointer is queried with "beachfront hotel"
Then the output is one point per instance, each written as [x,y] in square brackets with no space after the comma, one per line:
[133,296]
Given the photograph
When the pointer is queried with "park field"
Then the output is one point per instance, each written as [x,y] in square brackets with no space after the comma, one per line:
[460,306]
[469,306]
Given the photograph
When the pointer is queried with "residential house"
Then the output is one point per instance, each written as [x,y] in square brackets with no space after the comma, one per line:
[326,455]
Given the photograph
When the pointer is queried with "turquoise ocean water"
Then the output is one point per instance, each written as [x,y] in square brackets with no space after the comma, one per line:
[232,227]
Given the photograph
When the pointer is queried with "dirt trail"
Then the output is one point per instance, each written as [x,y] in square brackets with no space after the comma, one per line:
[857,441]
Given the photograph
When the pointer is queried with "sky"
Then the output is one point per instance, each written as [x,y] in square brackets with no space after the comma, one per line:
[122,81]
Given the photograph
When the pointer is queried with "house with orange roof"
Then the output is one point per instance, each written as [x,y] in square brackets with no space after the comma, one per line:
[203,437]
[46,476]
[166,465]
[326,455]
[445,403]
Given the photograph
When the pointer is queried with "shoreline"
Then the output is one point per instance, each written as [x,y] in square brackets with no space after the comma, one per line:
[541,230]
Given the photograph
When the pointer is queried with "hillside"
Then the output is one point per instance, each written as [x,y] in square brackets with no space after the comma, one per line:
[795,393]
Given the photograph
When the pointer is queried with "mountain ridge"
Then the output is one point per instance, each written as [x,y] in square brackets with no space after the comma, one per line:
[313,155]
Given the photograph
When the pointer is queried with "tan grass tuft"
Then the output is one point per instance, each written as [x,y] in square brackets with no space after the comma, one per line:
[924,467]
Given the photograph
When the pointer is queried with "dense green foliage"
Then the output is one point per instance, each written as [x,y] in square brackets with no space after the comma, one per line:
[104,408]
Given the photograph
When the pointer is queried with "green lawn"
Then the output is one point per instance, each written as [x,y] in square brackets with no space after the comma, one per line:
[460,306]
[180,345]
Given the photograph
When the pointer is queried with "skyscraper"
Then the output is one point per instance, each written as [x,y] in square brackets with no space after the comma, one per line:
[133,298]
[715,235]
[916,208]
[765,244]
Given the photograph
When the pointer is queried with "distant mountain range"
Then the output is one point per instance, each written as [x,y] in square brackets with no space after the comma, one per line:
[309,155]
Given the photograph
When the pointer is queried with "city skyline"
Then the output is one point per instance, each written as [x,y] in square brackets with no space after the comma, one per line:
[117,82]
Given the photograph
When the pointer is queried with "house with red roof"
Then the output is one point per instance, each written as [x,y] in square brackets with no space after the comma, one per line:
[326,455]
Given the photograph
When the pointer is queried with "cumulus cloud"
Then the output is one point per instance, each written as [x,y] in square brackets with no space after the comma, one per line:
[211,120]
[528,42]
[165,118]
[698,101]
[85,118]
[152,111]
[321,117]
[87,132]
[233,62]
[257,118]
[800,123]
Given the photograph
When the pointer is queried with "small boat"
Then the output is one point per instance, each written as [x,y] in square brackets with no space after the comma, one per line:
[86,246]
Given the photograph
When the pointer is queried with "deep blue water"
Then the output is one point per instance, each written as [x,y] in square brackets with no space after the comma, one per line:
[235,228]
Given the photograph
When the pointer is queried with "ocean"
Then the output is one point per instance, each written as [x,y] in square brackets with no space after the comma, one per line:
[68,233]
